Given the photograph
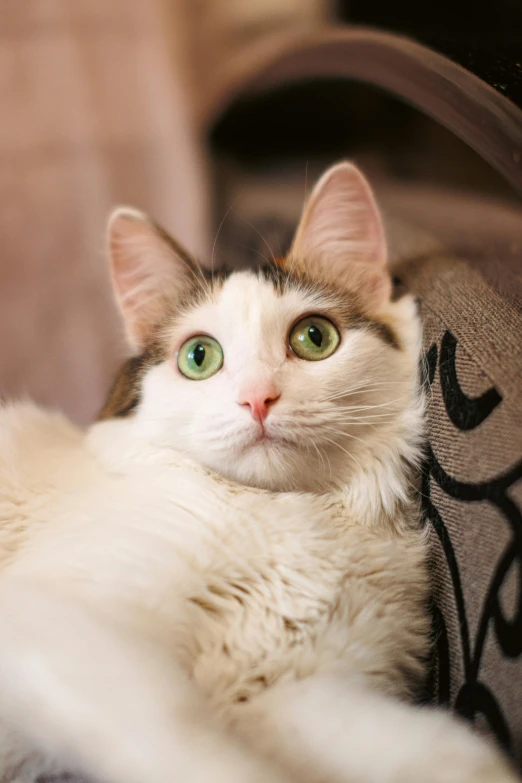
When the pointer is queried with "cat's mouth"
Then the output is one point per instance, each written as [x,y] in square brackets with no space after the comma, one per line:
[268,437]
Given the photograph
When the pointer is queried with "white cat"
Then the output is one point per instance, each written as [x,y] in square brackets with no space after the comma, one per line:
[224,579]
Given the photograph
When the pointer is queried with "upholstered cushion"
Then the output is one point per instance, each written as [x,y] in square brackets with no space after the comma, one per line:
[472,484]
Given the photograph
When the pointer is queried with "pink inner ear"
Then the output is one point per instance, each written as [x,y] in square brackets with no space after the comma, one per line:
[342,217]
[134,265]
[341,233]
[142,271]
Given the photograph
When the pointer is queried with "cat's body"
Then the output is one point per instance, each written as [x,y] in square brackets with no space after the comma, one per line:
[190,617]
[248,586]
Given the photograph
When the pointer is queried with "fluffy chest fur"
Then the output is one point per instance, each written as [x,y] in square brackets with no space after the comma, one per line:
[246,586]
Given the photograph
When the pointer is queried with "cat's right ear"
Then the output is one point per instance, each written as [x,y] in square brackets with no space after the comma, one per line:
[340,237]
[149,272]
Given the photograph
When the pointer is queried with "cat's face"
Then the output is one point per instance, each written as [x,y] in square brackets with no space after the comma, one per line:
[286,377]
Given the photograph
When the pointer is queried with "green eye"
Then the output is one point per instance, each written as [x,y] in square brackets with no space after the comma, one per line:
[200,357]
[314,338]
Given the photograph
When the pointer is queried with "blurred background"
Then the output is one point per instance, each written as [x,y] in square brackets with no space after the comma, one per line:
[136,101]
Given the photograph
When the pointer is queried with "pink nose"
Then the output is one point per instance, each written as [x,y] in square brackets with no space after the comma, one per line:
[259,399]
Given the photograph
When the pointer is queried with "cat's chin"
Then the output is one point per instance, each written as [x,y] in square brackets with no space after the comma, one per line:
[271,463]
[265,439]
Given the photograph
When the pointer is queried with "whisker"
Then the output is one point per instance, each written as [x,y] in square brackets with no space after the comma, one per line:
[345,451]
[320,456]
[227,213]
[358,422]
[257,252]
[335,415]
[261,237]
[351,391]
[369,407]
[346,435]
[326,457]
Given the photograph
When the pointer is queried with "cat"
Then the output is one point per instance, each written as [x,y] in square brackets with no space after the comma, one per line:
[225,578]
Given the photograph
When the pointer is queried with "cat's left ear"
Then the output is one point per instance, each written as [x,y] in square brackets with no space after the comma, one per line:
[150,272]
[340,238]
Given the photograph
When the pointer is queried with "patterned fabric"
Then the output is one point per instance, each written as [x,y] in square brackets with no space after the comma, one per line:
[472,491]
[478,637]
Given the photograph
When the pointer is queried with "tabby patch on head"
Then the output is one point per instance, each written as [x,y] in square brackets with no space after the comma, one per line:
[284,377]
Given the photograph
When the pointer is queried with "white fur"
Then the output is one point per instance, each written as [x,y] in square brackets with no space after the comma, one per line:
[328,412]
[169,610]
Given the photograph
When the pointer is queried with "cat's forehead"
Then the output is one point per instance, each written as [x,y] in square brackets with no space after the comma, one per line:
[254,301]
[255,296]
[246,294]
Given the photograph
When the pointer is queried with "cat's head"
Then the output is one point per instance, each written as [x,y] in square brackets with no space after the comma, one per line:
[286,377]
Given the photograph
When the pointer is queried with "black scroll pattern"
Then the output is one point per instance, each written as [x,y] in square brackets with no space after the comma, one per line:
[466,413]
